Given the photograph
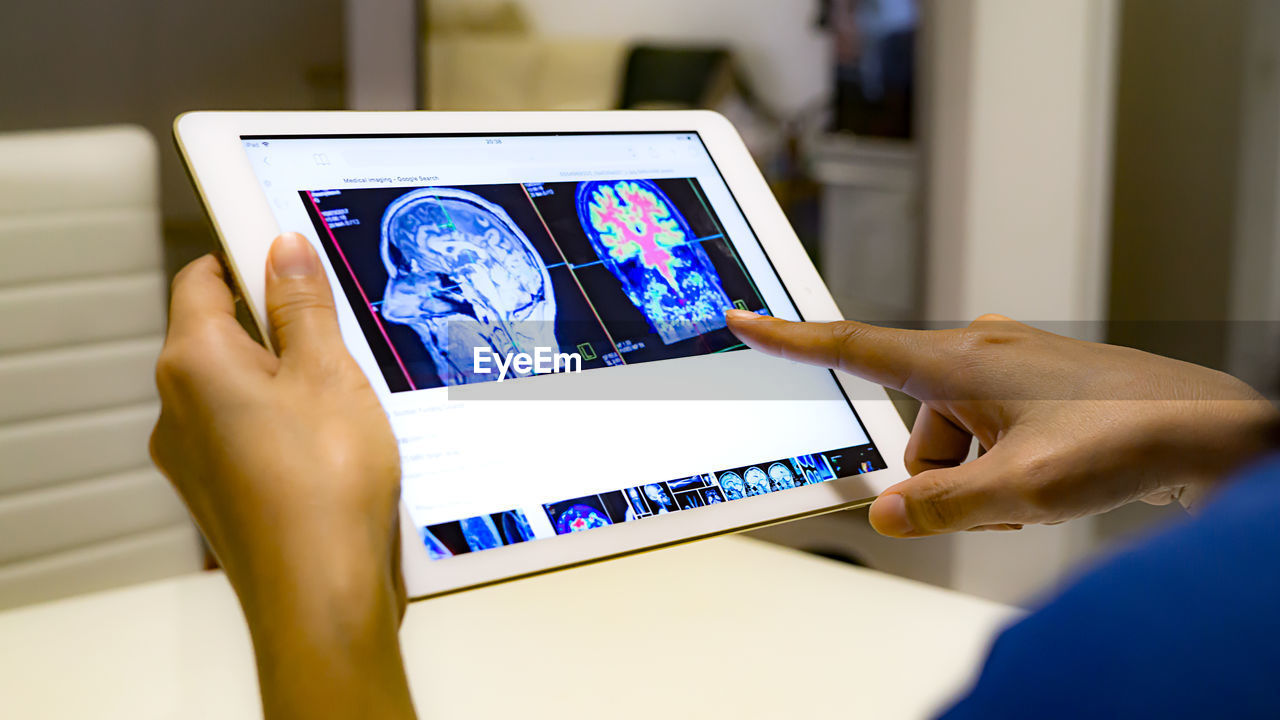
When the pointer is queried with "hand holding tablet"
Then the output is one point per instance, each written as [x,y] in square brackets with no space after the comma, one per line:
[590,256]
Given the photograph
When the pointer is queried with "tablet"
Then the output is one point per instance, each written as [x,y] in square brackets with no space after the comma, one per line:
[538,300]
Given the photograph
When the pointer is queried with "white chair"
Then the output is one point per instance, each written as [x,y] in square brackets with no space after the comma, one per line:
[81,320]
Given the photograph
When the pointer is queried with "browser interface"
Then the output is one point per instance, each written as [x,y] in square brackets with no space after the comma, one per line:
[542,317]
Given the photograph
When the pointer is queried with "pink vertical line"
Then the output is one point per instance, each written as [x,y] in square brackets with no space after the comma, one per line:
[356,280]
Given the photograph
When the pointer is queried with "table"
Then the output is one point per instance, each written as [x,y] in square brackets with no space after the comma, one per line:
[731,628]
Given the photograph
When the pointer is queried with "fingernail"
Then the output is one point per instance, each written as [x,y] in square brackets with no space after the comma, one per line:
[889,516]
[292,257]
[745,315]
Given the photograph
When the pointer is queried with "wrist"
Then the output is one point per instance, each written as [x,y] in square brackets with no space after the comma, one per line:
[1201,443]
[333,646]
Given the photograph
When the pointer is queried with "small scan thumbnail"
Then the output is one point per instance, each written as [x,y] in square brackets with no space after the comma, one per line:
[474,534]
[812,469]
[743,482]
[732,485]
[773,476]
[589,512]
[650,500]
[850,461]
[697,491]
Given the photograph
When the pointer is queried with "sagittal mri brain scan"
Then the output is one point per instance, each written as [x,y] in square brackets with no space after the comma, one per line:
[648,245]
[781,477]
[732,485]
[464,276]
[757,481]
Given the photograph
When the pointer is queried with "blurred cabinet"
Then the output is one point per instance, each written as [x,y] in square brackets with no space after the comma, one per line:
[870,244]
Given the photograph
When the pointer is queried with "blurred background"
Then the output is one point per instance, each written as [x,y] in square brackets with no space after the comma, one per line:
[1108,169]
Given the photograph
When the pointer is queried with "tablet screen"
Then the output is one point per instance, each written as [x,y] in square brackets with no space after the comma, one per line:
[542,316]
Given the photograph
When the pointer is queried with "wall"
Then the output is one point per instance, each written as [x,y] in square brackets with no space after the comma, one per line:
[1019,139]
[784,55]
[1018,112]
[145,61]
[1255,337]
[1177,163]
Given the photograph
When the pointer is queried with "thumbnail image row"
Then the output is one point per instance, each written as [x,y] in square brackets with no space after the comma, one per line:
[619,506]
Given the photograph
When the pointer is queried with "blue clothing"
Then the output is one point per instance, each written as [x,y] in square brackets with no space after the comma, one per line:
[1185,625]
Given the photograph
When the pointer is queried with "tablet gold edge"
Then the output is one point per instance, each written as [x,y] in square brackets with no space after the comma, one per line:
[228,260]
[853,505]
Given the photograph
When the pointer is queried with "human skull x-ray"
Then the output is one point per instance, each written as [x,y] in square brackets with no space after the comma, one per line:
[661,501]
[464,276]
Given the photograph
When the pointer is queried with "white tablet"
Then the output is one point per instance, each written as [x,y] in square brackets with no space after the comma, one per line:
[538,299]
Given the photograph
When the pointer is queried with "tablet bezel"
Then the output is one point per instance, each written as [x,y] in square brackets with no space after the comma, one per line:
[211,146]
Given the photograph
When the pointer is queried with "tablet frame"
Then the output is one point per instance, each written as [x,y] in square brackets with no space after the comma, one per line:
[211,147]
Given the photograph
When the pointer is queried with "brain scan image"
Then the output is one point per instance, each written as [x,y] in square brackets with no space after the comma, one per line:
[577,518]
[481,533]
[659,498]
[757,482]
[781,477]
[464,276]
[436,550]
[650,248]
[732,485]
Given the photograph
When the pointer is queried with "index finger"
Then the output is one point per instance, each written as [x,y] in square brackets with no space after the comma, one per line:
[200,296]
[885,356]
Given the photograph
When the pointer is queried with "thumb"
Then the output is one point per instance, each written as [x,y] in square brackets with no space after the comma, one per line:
[300,308]
[885,356]
[977,493]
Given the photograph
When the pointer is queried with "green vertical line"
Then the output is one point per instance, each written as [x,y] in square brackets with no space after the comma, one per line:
[728,243]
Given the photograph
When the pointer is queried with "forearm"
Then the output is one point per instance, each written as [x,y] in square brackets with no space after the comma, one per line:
[330,653]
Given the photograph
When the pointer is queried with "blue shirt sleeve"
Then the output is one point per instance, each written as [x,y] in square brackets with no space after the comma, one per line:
[1184,625]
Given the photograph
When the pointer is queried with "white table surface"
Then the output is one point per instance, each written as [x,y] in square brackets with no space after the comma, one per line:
[728,628]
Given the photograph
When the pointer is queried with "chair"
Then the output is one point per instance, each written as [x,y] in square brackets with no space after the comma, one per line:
[81,321]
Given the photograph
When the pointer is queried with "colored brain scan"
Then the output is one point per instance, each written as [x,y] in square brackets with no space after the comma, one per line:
[648,245]
[577,518]
[757,481]
[732,485]
[781,477]
[464,276]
